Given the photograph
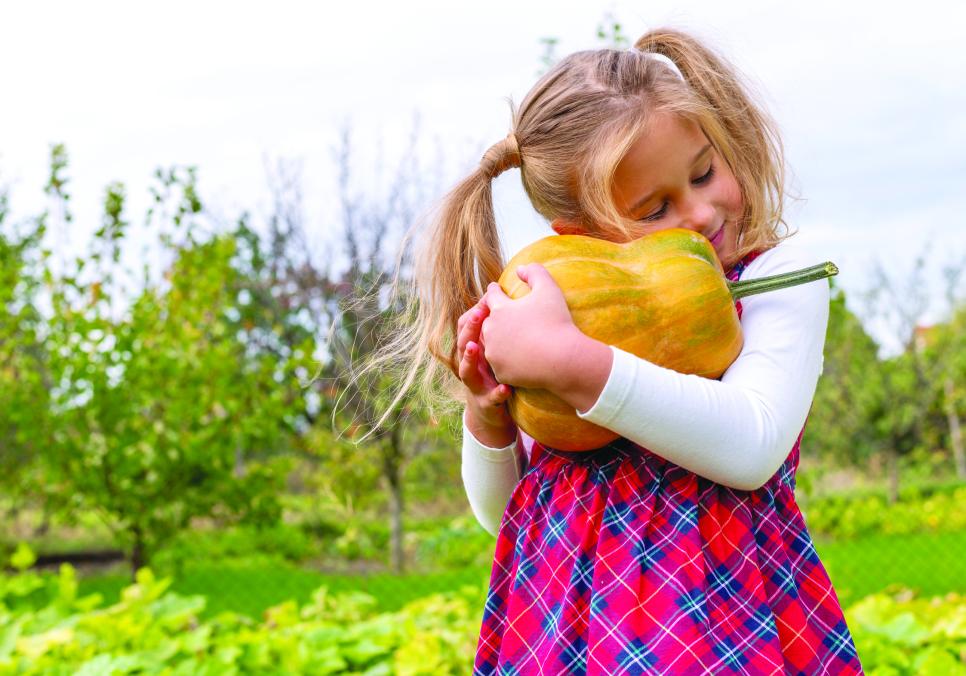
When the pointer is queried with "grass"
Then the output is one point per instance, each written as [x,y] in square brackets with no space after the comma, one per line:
[929,563]
[250,589]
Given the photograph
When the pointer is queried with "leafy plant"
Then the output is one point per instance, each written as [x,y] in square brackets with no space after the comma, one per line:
[152,630]
[861,515]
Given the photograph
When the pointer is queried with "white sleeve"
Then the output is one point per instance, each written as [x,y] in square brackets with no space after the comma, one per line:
[489,477]
[736,431]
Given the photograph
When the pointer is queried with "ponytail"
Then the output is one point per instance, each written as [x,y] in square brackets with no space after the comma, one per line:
[458,257]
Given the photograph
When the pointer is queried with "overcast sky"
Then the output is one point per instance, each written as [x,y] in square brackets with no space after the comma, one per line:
[871,99]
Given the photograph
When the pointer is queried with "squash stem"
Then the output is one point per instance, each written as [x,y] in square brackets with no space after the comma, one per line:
[752,286]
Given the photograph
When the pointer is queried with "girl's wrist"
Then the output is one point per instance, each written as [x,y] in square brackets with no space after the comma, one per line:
[495,429]
[582,367]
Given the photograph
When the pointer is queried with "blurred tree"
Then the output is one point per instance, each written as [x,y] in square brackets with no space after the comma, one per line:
[611,33]
[24,377]
[840,422]
[345,299]
[945,343]
[156,398]
[905,385]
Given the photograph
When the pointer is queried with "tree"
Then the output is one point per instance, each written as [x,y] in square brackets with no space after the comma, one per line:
[946,343]
[840,422]
[155,395]
[24,377]
[905,384]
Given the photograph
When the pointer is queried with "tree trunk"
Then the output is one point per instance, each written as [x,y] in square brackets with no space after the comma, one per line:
[239,470]
[955,431]
[44,526]
[892,461]
[138,553]
[394,478]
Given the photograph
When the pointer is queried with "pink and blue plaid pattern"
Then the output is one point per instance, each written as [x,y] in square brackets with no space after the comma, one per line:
[617,561]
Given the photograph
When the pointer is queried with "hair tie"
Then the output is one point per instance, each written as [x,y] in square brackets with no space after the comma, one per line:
[500,157]
[666,60]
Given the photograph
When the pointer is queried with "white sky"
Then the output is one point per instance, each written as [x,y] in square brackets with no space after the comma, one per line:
[871,98]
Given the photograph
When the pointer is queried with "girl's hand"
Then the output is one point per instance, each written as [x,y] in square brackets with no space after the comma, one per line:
[528,340]
[487,416]
[533,342]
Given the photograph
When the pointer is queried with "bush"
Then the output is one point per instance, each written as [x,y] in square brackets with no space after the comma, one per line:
[460,543]
[46,629]
[900,634]
[851,516]
[247,543]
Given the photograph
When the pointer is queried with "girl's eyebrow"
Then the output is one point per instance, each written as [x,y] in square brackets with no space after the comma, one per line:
[647,198]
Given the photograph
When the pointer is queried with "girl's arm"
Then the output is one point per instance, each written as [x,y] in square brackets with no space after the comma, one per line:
[489,477]
[491,465]
[736,431]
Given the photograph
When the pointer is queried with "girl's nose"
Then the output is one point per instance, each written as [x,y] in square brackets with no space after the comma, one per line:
[698,216]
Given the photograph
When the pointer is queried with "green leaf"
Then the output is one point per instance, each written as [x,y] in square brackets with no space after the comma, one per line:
[938,662]
[23,557]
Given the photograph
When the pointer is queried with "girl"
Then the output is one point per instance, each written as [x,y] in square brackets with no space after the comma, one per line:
[680,548]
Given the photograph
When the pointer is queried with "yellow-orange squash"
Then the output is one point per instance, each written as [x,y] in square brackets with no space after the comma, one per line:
[663,297]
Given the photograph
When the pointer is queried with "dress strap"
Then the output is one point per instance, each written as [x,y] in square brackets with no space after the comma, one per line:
[735,273]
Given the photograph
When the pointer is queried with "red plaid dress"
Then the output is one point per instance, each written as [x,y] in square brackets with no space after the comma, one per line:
[617,561]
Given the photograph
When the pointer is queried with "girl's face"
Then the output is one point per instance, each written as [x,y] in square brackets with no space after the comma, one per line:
[672,178]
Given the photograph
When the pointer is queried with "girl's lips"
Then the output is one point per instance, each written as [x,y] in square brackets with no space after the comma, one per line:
[717,237]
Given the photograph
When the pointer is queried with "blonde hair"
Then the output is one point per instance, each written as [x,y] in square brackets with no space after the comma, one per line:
[568,136]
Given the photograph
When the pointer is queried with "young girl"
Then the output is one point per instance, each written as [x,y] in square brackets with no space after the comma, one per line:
[680,548]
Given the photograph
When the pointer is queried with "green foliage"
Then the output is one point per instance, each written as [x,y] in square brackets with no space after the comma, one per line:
[161,411]
[250,586]
[152,630]
[850,516]
[930,563]
[459,543]
[24,381]
[894,409]
[47,627]
[251,543]
[840,425]
[611,33]
[900,634]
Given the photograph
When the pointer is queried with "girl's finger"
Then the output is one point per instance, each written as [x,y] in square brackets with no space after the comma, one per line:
[494,297]
[499,394]
[469,331]
[480,310]
[482,379]
[469,371]
[535,275]
[461,322]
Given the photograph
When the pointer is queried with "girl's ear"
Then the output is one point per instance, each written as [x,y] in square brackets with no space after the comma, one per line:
[564,227]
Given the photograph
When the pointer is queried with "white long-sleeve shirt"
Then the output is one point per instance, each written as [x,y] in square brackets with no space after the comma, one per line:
[736,431]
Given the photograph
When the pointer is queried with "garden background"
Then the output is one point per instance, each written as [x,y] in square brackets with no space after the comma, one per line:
[187,478]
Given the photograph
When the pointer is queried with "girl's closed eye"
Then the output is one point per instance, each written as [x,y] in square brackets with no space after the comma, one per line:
[700,180]
[705,177]
[656,214]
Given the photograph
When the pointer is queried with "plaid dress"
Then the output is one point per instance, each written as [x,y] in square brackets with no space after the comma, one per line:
[616,561]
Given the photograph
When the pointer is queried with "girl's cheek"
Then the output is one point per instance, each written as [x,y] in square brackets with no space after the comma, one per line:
[733,195]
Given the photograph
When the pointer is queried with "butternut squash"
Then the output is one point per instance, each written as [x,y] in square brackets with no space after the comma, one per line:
[663,297]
